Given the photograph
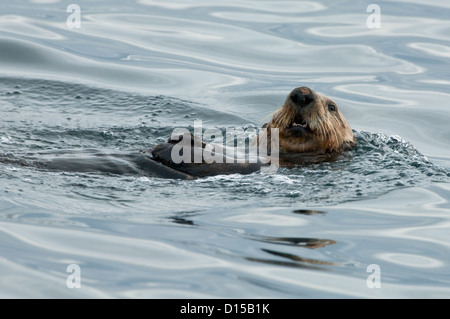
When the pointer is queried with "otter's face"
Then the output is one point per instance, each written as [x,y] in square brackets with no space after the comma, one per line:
[312,122]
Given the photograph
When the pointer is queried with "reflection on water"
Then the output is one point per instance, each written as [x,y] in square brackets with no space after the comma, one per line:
[312,243]
[134,71]
[299,259]
[183,218]
[308,212]
[293,261]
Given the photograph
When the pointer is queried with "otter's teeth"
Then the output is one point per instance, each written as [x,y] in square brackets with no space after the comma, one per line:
[304,124]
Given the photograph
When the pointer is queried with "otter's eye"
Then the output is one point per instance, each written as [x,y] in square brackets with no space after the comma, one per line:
[332,108]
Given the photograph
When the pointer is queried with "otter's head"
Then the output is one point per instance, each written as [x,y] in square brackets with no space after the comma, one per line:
[311,122]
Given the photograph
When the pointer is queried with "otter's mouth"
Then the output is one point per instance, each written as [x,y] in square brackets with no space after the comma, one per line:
[299,125]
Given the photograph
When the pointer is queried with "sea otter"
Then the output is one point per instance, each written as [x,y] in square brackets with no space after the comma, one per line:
[309,125]
[308,128]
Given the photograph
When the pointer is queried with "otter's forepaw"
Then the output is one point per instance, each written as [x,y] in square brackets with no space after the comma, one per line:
[186,138]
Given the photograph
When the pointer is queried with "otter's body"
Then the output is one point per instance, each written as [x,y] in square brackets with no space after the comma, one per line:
[310,128]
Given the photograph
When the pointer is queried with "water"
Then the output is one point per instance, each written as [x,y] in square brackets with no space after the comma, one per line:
[134,71]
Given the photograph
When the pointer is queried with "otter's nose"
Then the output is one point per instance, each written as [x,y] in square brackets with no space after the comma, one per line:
[302,96]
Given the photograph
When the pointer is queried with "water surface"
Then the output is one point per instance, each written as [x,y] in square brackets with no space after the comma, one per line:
[134,71]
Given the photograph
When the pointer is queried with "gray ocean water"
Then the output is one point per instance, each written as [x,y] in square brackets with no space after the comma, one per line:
[375,223]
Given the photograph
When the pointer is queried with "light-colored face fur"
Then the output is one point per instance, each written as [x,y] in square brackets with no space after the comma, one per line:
[311,122]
